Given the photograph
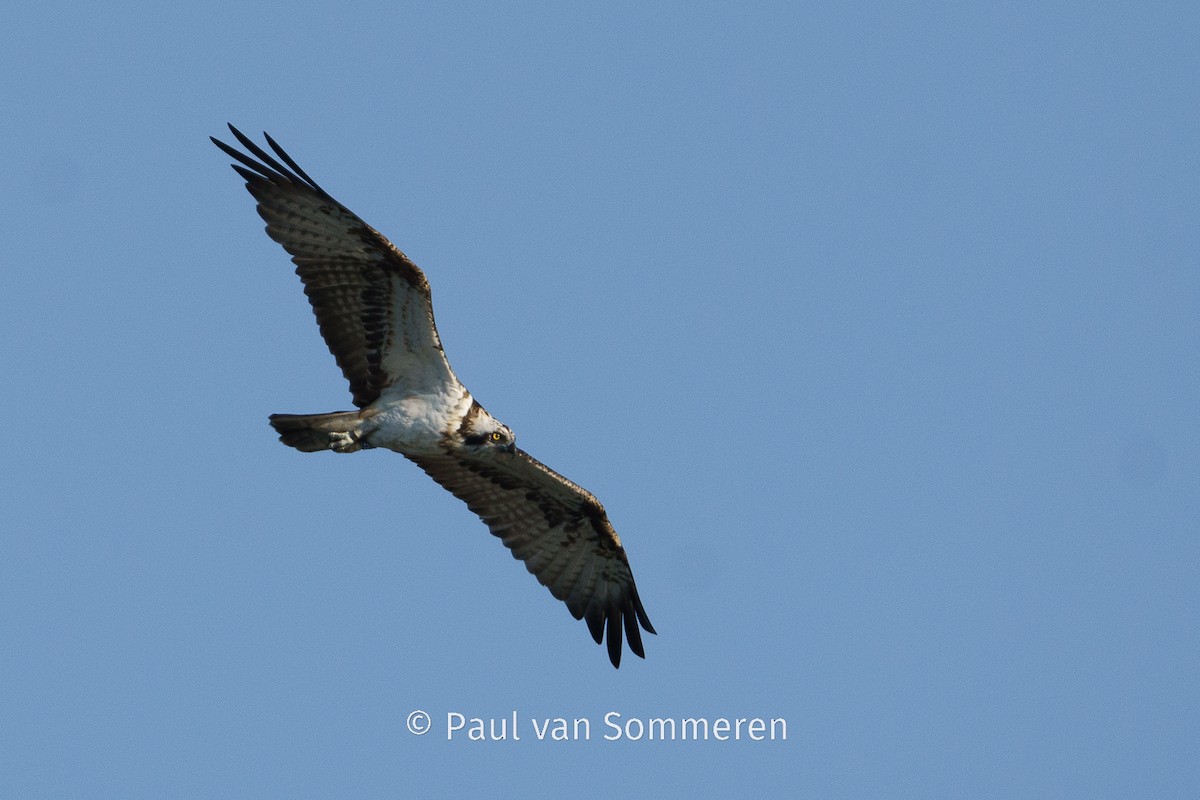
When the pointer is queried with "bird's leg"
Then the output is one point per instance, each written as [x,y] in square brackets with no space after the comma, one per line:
[347,442]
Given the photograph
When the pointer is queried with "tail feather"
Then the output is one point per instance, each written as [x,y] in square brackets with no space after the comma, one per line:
[310,433]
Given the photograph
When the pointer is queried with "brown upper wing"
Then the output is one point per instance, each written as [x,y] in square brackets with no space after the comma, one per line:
[561,533]
[371,302]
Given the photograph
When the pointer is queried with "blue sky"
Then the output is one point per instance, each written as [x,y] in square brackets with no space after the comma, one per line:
[874,328]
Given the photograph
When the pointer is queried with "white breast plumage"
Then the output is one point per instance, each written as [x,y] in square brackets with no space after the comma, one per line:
[415,423]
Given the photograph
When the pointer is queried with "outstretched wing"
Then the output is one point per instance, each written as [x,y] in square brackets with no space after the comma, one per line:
[561,533]
[372,303]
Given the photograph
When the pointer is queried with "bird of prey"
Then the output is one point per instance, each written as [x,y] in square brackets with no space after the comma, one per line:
[374,310]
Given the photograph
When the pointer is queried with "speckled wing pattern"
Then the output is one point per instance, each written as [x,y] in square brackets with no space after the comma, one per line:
[371,302]
[559,530]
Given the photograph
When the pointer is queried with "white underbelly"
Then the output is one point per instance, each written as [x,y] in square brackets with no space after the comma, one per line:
[415,423]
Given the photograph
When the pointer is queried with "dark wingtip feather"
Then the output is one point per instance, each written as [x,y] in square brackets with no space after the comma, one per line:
[262,170]
[595,623]
[614,637]
[612,622]
[641,613]
[250,177]
[266,166]
[632,635]
[246,141]
[279,151]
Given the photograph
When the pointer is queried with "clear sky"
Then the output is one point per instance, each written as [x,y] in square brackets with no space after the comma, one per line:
[874,328]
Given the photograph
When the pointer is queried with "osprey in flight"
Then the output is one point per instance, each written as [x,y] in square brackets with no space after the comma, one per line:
[374,309]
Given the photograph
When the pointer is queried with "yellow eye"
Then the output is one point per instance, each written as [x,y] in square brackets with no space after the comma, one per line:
[495,437]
